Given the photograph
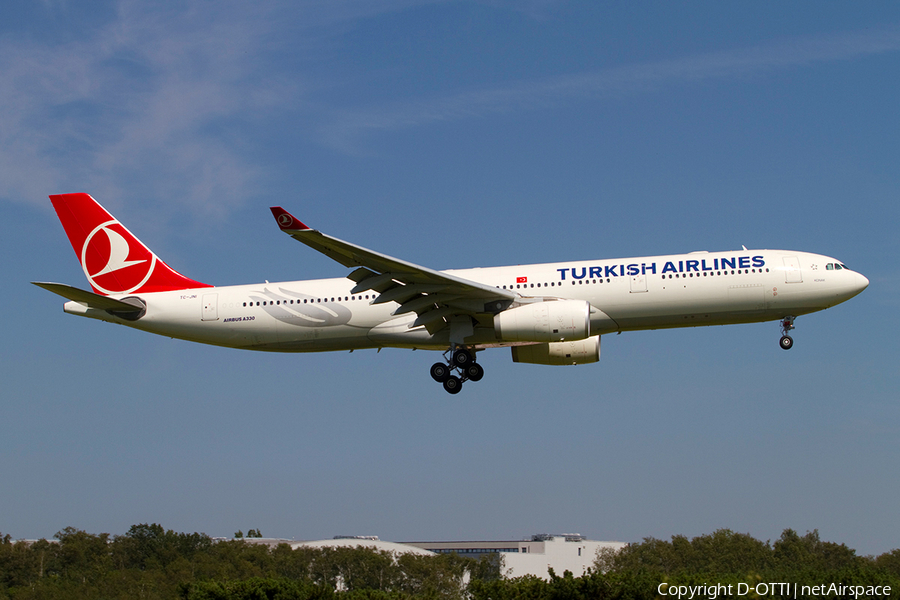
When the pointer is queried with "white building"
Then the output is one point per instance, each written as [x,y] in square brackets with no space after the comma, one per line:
[561,552]
[536,556]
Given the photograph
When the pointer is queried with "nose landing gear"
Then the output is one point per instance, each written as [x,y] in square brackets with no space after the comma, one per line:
[786,342]
[462,360]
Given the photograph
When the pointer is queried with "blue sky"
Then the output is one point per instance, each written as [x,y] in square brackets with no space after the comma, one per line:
[453,134]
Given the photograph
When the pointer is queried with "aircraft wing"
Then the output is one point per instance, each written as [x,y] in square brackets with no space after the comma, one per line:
[434,296]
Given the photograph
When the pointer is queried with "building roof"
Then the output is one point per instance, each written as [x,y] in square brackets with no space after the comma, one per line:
[364,543]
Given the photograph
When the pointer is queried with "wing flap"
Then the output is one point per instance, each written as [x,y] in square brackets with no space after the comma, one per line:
[402,293]
[431,317]
[360,275]
[379,283]
[423,303]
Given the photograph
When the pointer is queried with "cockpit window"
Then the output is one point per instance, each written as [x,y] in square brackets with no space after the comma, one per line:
[829,267]
[843,266]
[838,266]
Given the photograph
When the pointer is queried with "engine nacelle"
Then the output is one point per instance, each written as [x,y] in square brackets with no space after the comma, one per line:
[553,321]
[578,352]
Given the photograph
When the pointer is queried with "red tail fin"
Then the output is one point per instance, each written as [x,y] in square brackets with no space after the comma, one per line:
[113,259]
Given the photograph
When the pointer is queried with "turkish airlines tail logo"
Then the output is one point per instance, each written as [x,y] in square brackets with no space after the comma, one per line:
[118,253]
[113,259]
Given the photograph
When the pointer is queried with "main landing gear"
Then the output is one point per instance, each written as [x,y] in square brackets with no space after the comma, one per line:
[786,342]
[462,360]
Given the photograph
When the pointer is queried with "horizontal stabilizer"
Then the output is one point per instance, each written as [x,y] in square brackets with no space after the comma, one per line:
[89,299]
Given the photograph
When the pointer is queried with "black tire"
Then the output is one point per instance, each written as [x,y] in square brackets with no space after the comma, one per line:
[474,372]
[440,372]
[787,342]
[462,358]
[453,384]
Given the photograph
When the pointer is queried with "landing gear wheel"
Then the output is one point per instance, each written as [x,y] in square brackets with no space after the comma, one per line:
[453,384]
[462,358]
[787,324]
[474,372]
[440,372]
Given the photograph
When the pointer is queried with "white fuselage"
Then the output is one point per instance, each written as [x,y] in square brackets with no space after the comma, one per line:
[630,294]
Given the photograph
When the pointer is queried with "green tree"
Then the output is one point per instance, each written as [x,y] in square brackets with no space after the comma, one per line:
[889,562]
[792,551]
[724,551]
[255,588]
[441,576]
[82,555]
[151,546]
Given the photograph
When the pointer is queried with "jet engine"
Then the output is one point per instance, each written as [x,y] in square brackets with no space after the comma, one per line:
[577,352]
[550,321]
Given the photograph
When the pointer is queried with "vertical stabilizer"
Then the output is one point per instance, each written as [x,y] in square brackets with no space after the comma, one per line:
[113,259]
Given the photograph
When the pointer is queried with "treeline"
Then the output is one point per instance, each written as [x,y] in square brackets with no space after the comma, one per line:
[704,567]
[153,563]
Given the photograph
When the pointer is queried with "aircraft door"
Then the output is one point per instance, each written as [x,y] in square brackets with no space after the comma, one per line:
[210,307]
[792,272]
[638,283]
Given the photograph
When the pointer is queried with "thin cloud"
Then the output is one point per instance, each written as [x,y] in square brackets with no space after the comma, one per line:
[154,101]
[148,94]
[154,104]
[348,127]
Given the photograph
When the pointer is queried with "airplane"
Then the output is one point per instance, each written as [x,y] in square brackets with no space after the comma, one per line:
[548,314]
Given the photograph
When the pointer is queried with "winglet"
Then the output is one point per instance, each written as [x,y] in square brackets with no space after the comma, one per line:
[286,221]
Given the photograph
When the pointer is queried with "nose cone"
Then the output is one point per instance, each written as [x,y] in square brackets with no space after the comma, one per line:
[861,283]
[852,284]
